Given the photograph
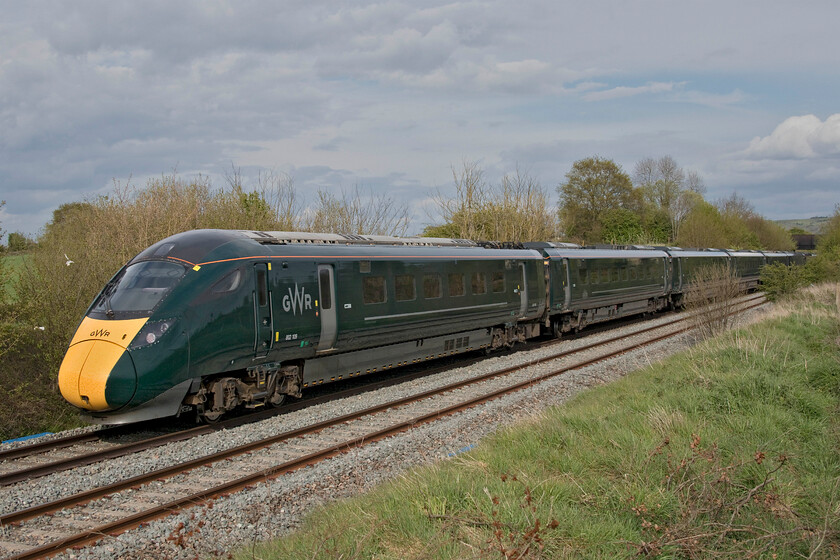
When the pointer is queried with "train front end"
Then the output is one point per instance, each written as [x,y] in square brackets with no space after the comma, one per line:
[125,329]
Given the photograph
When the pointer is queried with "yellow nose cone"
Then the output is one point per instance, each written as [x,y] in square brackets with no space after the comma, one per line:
[90,361]
[84,373]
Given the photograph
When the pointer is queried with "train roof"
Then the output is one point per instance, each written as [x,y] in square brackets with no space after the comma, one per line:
[199,247]
[745,253]
[604,253]
[309,238]
[677,252]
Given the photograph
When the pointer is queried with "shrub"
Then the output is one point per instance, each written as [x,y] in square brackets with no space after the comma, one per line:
[779,279]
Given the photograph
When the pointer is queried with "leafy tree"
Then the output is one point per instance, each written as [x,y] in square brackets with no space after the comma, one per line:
[771,236]
[447,231]
[621,226]
[657,227]
[19,242]
[593,187]
[702,227]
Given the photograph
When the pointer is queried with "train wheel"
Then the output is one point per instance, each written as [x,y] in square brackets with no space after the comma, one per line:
[210,416]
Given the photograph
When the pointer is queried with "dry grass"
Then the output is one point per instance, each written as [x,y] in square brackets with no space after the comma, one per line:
[711,299]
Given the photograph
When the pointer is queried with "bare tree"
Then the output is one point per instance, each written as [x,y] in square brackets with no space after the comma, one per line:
[663,183]
[520,210]
[278,190]
[694,182]
[515,210]
[359,213]
[735,205]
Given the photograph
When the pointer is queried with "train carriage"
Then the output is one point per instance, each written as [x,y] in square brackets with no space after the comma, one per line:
[747,267]
[783,257]
[687,264]
[592,285]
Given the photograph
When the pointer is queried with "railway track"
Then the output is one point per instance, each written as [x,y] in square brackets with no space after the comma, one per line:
[85,517]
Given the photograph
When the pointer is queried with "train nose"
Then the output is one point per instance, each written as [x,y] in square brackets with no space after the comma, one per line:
[92,366]
[97,372]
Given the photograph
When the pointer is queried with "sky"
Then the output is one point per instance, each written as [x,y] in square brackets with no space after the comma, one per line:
[392,96]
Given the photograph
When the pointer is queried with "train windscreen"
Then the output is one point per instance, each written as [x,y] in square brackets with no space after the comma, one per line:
[138,289]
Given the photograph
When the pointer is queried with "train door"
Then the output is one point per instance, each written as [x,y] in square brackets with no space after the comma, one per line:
[326,303]
[523,291]
[262,311]
[567,285]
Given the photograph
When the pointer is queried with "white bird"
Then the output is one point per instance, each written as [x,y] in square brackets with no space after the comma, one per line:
[69,262]
[39,328]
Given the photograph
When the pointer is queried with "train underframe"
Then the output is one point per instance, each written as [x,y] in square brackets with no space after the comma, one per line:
[270,384]
[577,319]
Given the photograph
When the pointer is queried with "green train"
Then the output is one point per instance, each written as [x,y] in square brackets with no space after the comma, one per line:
[207,321]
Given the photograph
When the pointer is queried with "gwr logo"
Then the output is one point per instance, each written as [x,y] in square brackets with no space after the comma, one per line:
[100,332]
[297,300]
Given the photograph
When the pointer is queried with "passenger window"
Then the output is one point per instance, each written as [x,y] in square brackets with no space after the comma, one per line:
[479,283]
[498,282]
[404,287]
[633,274]
[583,276]
[374,289]
[593,277]
[431,286]
[615,277]
[456,285]
[605,276]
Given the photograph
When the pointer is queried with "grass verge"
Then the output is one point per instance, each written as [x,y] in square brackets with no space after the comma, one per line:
[729,450]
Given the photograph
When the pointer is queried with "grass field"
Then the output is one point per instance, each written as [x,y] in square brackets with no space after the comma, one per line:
[730,450]
[811,225]
[11,265]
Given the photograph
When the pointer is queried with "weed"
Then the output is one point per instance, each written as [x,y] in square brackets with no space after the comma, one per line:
[725,509]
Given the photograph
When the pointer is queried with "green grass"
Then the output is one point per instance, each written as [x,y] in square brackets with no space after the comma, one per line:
[11,266]
[729,450]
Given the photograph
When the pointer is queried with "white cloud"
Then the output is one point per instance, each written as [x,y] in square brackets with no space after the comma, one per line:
[804,137]
[625,91]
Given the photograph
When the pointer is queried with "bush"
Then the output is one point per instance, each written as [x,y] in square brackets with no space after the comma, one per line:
[779,279]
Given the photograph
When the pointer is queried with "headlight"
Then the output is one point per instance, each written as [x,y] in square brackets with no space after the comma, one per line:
[150,333]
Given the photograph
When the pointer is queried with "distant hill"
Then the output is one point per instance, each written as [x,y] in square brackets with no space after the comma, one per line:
[811,225]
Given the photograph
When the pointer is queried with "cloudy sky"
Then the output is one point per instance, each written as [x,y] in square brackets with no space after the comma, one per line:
[390,96]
